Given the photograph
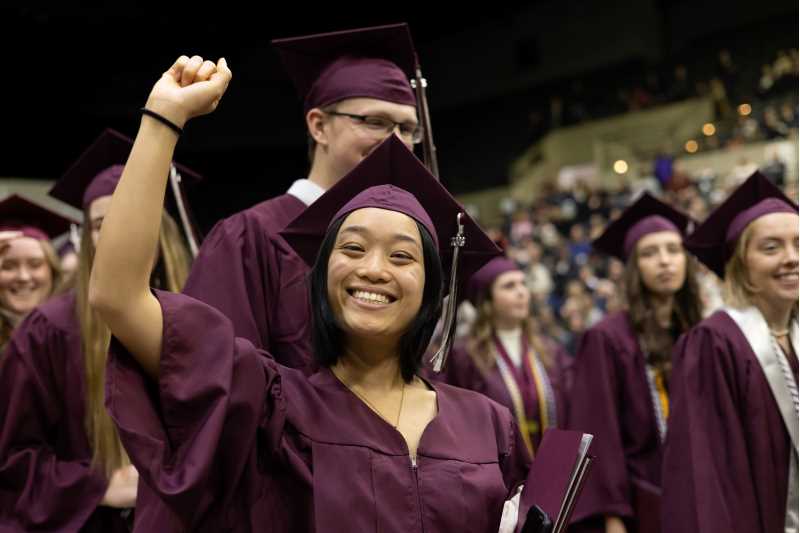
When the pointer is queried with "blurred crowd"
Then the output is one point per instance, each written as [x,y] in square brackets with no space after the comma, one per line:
[754,98]
[574,287]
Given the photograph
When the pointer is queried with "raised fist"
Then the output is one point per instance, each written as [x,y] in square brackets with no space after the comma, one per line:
[191,87]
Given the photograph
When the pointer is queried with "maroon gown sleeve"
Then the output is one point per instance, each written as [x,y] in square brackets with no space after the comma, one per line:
[707,478]
[193,434]
[594,408]
[228,274]
[39,491]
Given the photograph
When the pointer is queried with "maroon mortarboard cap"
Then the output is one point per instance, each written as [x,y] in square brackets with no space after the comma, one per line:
[104,184]
[646,215]
[482,280]
[392,178]
[372,62]
[33,220]
[98,169]
[714,241]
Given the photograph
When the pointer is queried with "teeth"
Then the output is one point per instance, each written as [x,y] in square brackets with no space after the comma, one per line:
[21,290]
[371,297]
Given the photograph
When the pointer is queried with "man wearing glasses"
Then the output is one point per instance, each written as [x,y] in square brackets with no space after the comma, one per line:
[356,92]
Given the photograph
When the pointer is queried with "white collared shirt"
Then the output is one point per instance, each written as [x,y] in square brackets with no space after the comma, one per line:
[512,342]
[306,191]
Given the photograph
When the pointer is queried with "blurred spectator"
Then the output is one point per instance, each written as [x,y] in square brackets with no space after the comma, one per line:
[728,74]
[789,115]
[579,247]
[775,169]
[521,226]
[773,126]
[597,223]
[767,80]
[680,88]
[538,276]
[719,95]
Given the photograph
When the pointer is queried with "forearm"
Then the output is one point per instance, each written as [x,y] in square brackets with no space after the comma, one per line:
[129,237]
[127,246]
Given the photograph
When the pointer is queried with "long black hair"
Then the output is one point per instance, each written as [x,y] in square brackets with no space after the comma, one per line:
[327,335]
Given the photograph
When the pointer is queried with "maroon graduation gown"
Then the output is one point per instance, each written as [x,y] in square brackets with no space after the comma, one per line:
[610,398]
[726,464]
[247,271]
[462,371]
[233,441]
[46,479]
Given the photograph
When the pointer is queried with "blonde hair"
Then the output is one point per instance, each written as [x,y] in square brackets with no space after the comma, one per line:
[57,287]
[51,256]
[174,255]
[107,451]
[737,290]
[479,343]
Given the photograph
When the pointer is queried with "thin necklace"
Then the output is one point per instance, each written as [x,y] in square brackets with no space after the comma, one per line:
[371,406]
[779,334]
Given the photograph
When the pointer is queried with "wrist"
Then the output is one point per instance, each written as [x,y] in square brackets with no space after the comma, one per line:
[168,110]
[162,134]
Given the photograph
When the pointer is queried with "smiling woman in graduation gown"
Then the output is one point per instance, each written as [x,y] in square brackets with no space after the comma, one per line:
[621,370]
[505,359]
[61,461]
[30,270]
[731,455]
[232,440]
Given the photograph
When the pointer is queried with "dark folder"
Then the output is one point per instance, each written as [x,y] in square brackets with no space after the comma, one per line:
[647,506]
[555,479]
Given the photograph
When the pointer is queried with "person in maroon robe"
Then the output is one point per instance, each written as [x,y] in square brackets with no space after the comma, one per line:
[62,465]
[504,358]
[621,370]
[355,90]
[730,462]
[232,440]
[30,270]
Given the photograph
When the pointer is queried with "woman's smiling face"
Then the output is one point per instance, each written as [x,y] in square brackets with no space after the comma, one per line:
[771,258]
[26,278]
[376,273]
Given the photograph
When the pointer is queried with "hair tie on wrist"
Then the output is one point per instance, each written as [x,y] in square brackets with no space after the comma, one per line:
[165,121]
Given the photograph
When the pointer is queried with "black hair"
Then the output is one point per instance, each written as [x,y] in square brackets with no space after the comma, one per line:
[327,336]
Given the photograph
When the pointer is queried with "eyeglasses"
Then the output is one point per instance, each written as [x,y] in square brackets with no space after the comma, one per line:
[381,126]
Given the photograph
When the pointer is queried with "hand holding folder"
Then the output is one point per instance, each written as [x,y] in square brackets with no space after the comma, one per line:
[554,481]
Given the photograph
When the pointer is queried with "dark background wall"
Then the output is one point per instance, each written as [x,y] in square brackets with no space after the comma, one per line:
[71,70]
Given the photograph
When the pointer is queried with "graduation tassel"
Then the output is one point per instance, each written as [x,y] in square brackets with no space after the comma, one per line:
[75,238]
[419,84]
[449,319]
[177,193]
